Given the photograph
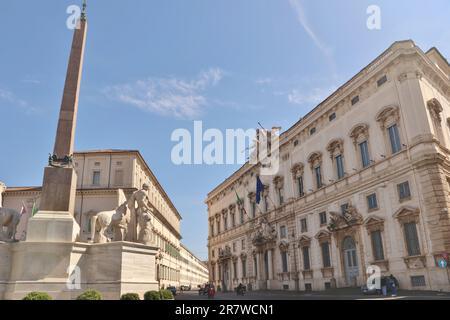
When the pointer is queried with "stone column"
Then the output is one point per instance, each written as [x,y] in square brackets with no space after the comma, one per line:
[270,262]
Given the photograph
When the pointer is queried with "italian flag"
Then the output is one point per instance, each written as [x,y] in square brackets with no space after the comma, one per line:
[34,210]
[240,202]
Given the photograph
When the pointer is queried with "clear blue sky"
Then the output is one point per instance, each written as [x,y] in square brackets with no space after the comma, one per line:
[154,66]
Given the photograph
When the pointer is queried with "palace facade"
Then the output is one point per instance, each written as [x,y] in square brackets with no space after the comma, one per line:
[101,173]
[364,181]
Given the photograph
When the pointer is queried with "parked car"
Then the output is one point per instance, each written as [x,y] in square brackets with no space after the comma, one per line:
[173,290]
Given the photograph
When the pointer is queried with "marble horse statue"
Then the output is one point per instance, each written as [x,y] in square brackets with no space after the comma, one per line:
[111,225]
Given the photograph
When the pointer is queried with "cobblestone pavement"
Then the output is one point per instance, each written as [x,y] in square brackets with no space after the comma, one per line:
[338,294]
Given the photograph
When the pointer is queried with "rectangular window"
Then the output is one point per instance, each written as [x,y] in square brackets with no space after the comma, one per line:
[326,259]
[412,239]
[118,178]
[312,131]
[382,81]
[355,100]
[233,220]
[234,246]
[253,209]
[241,210]
[244,268]
[332,116]
[235,274]
[372,201]
[394,138]
[96,178]
[296,143]
[225,223]
[243,244]
[283,232]
[255,265]
[403,191]
[304,225]
[418,281]
[308,287]
[377,245]
[323,218]
[364,149]
[280,196]
[306,261]
[318,174]
[301,190]
[340,167]
[284,261]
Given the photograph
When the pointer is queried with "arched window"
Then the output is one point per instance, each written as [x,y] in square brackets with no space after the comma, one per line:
[360,137]
[297,174]
[389,120]
[315,161]
[336,150]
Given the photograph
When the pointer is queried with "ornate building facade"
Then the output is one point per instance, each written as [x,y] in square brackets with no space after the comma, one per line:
[364,180]
[101,174]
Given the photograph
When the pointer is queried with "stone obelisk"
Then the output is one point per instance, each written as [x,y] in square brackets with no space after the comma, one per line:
[54,222]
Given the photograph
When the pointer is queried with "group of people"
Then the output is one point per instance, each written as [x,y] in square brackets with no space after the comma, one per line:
[389,285]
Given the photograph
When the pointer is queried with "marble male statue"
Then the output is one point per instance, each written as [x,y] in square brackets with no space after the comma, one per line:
[143,208]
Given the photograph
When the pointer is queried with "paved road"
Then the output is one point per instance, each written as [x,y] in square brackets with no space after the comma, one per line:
[338,294]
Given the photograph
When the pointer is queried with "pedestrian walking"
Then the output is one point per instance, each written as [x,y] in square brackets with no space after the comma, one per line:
[384,286]
[394,285]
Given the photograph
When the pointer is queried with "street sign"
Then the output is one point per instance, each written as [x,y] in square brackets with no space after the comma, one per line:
[442,264]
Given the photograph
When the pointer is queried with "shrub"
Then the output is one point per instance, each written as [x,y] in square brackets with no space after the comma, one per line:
[152,295]
[166,295]
[38,296]
[130,296]
[90,295]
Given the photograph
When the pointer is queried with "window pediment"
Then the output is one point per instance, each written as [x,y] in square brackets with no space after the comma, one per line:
[278,181]
[435,108]
[323,236]
[407,214]
[389,114]
[374,223]
[359,132]
[315,159]
[305,241]
[297,169]
[336,146]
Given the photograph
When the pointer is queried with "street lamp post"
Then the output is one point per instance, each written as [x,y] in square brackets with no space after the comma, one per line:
[158,257]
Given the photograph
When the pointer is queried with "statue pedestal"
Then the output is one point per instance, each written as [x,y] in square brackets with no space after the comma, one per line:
[65,270]
[51,226]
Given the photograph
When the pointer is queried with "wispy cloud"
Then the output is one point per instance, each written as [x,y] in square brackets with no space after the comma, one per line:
[11,98]
[309,97]
[170,96]
[29,79]
[304,22]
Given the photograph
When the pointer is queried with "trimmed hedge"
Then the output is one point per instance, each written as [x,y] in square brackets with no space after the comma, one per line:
[90,295]
[167,295]
[152,295]
[38,296]
[130,296]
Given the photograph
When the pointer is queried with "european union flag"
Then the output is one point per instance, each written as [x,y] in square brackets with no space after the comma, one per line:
[259,189]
